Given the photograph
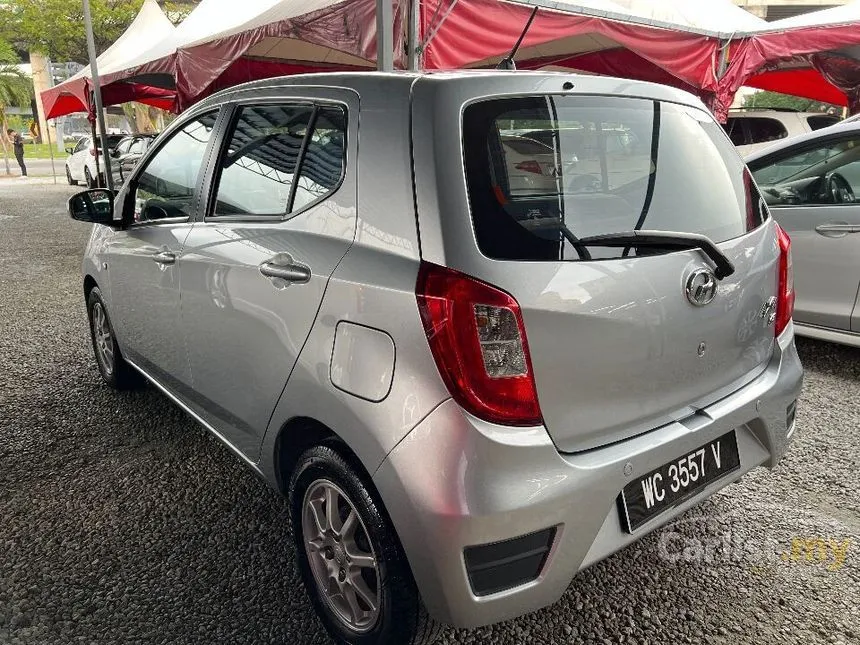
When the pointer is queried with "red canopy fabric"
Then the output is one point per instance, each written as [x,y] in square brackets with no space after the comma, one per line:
[478,33]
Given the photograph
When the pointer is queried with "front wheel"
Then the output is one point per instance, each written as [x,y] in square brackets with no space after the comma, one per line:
[88,178]
[350,558]
[114,369]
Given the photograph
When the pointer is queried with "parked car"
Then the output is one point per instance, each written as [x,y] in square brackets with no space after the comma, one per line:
[127,153]
[753,129]
[812,184]
[81,162]
[467,395]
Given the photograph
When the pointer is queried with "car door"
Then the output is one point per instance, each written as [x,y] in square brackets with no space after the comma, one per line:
[822,217]
[78,158]
[144,259]
[281,217]
[120,151]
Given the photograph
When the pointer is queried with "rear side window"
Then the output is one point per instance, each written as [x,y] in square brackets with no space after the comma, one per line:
[821,121]
[762,129]
[610,165]
[735,129]
[280,159]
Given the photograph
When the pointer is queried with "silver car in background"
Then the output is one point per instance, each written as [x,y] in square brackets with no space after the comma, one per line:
[812,186]
[468,393]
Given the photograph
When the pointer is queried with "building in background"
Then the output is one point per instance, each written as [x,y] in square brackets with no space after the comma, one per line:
[777,9]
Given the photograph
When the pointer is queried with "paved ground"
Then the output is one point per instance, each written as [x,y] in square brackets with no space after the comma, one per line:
[121,521]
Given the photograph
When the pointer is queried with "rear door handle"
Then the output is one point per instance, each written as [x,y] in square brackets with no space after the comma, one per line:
[284,267]
[164,257]
[837,230]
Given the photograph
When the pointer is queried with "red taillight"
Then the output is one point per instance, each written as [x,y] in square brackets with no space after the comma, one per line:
[478,340]
[529,166]
[785,295]
[92,152]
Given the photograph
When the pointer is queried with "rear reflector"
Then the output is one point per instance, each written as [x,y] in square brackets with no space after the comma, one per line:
[478,340]
[504,565]
[785,294]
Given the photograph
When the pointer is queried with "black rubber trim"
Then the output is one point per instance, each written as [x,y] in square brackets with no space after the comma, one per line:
[504,565]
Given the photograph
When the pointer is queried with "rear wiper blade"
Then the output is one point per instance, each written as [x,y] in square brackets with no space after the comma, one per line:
[723,267]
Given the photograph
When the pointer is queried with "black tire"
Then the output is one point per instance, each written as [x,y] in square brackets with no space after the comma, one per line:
[120,375]
[72,182]
[88,178]
[402,618]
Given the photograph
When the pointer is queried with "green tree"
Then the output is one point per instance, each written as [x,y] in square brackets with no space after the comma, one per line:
[766,99]
[56,27]
[15,90]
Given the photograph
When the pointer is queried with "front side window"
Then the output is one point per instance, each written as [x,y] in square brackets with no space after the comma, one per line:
[826,174]
[165,187]
[123,146]
[138,146]
[280,159]
[540,167]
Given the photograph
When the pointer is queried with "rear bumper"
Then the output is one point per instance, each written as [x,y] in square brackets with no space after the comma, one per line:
[456,482]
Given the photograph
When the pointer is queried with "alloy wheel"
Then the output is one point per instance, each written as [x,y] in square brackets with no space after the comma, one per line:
[341,556]
[103,338]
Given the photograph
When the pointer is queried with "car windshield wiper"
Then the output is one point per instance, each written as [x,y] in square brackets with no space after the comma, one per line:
[664,239]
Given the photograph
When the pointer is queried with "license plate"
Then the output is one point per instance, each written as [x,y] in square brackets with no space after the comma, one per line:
[672,483]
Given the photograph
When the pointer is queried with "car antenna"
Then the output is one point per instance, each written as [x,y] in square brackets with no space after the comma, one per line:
[508,61]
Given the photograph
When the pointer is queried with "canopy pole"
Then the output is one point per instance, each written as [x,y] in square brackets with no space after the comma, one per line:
[723,64]
[51,150]
[384,36]
[412,35]
[97,93]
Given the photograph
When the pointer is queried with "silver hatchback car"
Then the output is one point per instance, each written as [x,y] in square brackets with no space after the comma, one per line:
[469,392]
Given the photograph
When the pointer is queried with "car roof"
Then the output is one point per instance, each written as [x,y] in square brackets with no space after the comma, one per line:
[509,81]
[843,127]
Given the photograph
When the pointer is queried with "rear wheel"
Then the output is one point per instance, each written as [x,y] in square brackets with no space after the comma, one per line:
[72,182]
[351,561]
[113,367]
[89,178]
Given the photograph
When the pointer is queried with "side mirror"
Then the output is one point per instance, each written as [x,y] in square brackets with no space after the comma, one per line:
[94,206]
[70,151]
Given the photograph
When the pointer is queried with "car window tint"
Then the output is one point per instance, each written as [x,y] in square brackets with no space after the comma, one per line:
[798,178]
[258,167]
[762,129]
[82,144]
[821,121]
[166,186]
[323,162]
[735,129]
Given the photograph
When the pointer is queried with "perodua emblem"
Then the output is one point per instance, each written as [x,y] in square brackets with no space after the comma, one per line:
[701,287]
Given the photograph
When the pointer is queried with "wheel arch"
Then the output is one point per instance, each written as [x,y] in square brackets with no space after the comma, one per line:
[299,434]
[89,284]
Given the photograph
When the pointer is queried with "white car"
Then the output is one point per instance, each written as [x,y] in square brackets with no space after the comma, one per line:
[81,162]
[753,129]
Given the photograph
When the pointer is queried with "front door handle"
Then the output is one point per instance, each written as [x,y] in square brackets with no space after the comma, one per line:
[164,257]
[837,230]
[284,268]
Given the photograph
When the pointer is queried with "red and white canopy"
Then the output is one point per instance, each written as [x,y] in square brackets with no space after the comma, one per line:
[73,95]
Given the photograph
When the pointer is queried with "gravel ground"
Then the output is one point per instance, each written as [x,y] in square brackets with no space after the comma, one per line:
[121,521]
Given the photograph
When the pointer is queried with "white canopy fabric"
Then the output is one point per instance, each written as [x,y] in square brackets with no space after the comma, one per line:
[73,94]
[843,14]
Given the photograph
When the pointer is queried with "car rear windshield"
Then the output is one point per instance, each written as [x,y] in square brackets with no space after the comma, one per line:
[596,165]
